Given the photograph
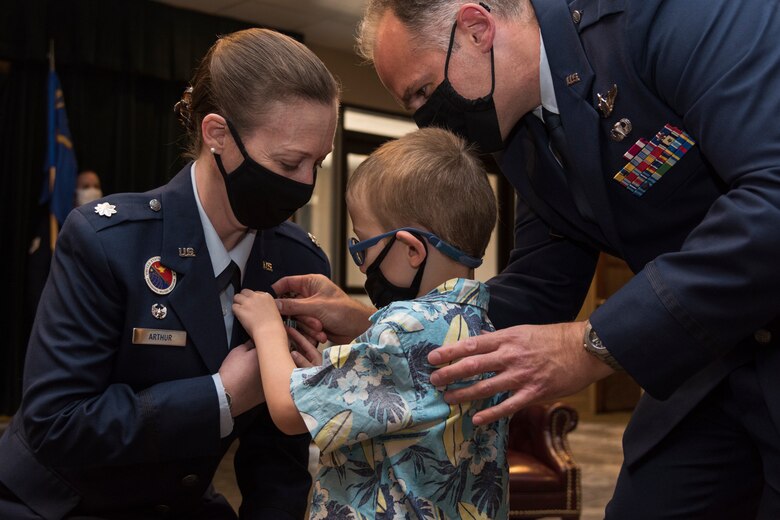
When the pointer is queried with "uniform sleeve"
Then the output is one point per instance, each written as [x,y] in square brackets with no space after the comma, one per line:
[72,412]
[362,390]
[546,279]
[716,63]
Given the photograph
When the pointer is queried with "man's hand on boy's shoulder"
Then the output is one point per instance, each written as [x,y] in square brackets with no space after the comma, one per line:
[323,311]
[534,362]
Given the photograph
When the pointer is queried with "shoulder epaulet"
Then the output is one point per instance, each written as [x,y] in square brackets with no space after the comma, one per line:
[121,207]
[296,233]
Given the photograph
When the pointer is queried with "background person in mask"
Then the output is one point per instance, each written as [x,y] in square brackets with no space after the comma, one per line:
[134,387]
[87,187]
[646,129]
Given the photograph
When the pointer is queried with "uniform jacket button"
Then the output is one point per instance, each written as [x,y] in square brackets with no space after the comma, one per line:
[162,508]
[576,16]
[190,480]
[763,336]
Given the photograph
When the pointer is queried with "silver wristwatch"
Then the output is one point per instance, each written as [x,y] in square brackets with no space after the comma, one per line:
[595,347]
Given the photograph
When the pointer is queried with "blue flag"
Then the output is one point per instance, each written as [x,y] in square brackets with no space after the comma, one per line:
[60,181]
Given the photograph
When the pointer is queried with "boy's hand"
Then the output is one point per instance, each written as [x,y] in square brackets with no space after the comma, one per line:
[305,353]
[257,312]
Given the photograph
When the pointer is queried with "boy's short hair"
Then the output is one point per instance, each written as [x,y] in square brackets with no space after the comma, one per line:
[430,178]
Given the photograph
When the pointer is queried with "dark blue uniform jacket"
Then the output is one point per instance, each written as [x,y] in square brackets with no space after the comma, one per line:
[109,425]
[704,240]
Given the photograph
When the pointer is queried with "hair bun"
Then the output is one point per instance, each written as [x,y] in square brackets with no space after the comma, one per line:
[183,108]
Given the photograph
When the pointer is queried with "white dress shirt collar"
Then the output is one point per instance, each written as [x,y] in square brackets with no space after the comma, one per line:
[221,257]
[547,90]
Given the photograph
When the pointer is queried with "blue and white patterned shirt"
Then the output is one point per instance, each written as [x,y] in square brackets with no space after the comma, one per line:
[391,446]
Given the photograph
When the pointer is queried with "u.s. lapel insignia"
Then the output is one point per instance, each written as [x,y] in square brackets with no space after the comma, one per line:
[572,78]
[606,104]
[186,252]
[105,209]
[160,279]
[268,266]
[159,311]
[314,240]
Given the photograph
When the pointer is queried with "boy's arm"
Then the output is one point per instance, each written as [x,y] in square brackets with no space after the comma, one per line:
[260,317]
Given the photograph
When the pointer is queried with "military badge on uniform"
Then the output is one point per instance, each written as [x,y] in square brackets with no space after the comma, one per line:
[650,160]
[104,209]
[607,103]
[314,240]
[160,279]
[159,311]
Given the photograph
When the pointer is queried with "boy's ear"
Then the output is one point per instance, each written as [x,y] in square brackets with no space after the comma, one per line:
[416,252]
[214,129]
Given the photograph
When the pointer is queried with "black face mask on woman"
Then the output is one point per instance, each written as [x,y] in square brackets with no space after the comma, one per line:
[473,119]
[260,198]
[381,291]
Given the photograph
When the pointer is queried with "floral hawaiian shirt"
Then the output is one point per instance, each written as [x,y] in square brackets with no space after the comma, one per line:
[391,447]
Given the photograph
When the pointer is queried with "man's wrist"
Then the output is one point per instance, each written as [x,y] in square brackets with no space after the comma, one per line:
[595,347]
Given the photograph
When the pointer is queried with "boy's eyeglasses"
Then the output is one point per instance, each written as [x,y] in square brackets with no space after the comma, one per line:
[357,249]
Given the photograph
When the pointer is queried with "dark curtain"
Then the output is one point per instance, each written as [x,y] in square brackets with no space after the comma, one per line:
[122,64]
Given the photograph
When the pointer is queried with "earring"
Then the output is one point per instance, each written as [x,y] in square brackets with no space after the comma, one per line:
[213,150]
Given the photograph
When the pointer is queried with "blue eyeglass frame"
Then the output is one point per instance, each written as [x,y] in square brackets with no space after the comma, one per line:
[356,248]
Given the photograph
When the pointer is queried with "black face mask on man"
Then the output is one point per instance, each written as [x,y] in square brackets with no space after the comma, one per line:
[381,291]
[260,198]
[473,119]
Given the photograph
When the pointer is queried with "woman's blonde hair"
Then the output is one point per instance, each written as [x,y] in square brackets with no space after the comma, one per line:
[243,73]
[430,178]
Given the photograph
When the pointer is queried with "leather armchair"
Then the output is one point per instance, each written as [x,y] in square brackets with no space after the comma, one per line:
[544,480]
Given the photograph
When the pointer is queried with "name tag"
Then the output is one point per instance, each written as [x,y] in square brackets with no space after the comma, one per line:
[173,338]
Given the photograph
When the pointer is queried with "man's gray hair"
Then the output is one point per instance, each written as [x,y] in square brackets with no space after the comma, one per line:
[429,21]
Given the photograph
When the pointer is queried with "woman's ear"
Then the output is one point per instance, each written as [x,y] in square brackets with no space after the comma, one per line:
[479,24]
[214,129]
[416,252]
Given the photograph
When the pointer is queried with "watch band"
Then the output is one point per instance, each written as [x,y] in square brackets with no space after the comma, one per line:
[595,347]
[229,400]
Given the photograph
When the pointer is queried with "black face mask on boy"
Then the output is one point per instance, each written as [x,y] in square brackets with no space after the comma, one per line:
[260,198]
[381,291]
[473,119]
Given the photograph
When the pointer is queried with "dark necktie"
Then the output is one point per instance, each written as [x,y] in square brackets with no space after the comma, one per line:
[559,149]
[231,276]
[557,136]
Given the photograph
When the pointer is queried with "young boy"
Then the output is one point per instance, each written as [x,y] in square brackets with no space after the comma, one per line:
[423,211]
